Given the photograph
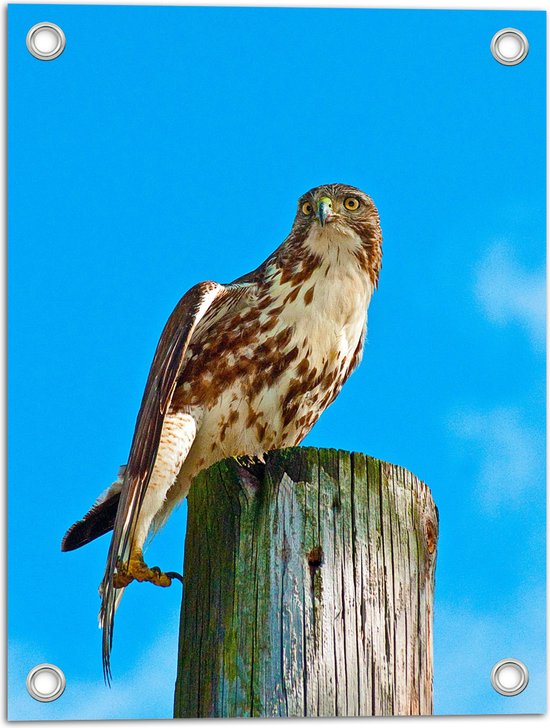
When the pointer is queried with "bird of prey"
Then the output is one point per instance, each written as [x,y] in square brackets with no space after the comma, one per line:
[240,369]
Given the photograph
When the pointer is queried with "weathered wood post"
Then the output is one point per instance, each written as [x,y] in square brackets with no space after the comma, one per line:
[308,589]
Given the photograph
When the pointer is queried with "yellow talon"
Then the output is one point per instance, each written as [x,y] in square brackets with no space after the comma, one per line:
[136,569]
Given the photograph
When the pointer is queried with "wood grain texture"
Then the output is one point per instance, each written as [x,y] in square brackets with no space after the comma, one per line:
[308,589]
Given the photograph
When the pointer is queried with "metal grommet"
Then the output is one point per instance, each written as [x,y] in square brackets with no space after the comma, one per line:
[46,41]
[509,46]
[46,683]
[509,677]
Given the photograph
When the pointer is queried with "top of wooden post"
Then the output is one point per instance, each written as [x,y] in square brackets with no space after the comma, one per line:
[309,588]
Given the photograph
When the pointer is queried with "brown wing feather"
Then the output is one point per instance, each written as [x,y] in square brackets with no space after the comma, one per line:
[166,366]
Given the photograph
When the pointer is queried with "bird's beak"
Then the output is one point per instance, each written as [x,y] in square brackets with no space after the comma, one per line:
[324,210]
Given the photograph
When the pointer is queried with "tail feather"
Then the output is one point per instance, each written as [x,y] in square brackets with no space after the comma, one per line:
[99,520]
[110,599]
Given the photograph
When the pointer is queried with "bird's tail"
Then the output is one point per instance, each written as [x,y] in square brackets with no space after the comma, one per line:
[110,599]
[98,520]
[119,553]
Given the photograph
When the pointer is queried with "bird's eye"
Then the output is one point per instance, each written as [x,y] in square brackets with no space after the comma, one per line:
[351,203]
[307,208]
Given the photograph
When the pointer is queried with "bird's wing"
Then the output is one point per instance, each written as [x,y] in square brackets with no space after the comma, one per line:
[161,383]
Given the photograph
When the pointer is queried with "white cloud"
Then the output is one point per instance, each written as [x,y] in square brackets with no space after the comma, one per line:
[146,691]
[509,293]
[509,452]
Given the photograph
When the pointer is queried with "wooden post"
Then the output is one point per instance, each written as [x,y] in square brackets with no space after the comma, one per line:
[308,589]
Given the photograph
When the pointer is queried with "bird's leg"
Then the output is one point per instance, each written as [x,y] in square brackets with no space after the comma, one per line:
[178,434]
[136,569]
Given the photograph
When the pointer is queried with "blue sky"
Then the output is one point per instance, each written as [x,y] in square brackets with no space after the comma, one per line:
[137,171]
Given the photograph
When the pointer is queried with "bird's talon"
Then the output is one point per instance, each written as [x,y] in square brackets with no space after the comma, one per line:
[174,575]
[137,569]
[121,579]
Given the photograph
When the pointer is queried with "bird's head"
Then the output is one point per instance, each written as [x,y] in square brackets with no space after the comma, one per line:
[338,218]
[338,206]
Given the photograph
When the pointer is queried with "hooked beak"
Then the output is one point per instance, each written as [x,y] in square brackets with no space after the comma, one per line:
[324,210]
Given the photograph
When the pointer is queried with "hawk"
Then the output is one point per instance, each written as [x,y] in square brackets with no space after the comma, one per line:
[240,369]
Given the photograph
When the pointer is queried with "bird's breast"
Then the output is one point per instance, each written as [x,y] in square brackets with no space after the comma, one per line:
[264,374]
[312,337]
[326,313]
